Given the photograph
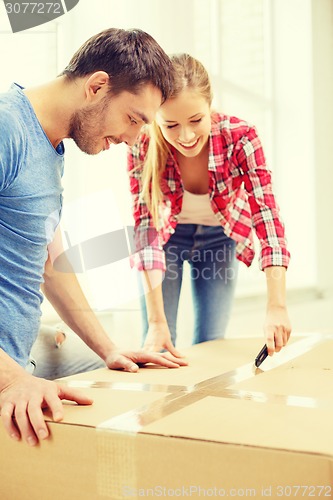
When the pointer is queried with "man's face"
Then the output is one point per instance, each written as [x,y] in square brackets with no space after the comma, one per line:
[114,119]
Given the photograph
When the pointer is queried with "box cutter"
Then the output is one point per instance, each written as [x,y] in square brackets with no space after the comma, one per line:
[261,356]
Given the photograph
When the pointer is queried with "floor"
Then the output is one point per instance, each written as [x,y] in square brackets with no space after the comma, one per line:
[308,312]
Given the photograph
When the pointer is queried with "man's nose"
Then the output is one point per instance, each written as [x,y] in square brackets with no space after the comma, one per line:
[131,135]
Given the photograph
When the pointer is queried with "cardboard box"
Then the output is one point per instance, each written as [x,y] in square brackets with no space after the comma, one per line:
[216,428]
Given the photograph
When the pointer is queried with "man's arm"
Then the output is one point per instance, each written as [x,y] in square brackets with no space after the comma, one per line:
[65,294]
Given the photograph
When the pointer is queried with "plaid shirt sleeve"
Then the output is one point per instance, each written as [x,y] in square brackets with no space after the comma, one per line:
[148,242]
[250,161]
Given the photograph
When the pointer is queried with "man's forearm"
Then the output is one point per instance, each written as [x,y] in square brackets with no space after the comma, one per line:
[65,294]
[9,370]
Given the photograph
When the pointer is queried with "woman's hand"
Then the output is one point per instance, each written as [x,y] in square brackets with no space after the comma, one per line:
[277,328]
[159,339]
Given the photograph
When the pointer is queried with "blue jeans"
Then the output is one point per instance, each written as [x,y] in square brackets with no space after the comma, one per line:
[74,356]
[213,272]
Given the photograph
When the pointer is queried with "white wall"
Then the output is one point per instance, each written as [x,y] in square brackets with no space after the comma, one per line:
[294,134]
[283,84]
[268,91]
[321,232]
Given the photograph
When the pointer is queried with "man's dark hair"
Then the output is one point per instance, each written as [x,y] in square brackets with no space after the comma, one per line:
[131,58]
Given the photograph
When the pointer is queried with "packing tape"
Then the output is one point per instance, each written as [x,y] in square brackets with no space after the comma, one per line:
[117,464]
[287,400]
[181,396]
[121,386]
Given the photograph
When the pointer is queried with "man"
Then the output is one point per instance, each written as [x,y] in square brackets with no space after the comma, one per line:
[113,85]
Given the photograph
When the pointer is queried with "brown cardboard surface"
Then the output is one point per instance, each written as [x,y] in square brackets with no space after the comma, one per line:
[252,424]
[320,357]
[199,431]
[80,463]
[290,381]
[206,360]
[107,404]
[307,375]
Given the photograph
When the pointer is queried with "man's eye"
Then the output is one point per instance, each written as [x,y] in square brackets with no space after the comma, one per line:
[133,121]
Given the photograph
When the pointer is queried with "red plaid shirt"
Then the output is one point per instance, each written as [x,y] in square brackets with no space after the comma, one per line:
[240,192]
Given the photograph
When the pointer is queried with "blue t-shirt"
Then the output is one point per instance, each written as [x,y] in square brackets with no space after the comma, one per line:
[30,206]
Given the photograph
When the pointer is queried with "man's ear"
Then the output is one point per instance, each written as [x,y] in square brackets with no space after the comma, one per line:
[96,86]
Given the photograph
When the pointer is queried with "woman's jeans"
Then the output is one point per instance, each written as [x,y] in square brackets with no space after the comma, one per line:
[213,272]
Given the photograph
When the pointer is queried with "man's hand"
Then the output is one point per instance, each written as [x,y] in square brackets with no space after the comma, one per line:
[22,401]
[131,360]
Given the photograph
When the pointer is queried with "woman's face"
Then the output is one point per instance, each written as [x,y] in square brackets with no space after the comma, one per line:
[185,122]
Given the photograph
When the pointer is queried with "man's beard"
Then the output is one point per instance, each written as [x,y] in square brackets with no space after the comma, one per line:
[85,128]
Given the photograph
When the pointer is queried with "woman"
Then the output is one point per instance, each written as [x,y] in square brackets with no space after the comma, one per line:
[200,187]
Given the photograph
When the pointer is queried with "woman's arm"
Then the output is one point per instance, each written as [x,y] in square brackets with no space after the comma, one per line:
[158,336]
[277,326]
[269,228]
[149,256]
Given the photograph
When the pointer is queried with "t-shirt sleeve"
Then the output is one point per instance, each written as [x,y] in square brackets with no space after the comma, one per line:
[12,148]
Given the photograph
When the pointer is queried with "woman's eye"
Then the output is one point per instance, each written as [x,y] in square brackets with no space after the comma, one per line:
[171,126]
[133,121]
[196,121]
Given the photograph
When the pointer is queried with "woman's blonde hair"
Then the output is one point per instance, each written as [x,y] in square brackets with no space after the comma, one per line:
[190,74]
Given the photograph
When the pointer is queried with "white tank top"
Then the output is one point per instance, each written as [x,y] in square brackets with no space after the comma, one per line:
[196,209]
